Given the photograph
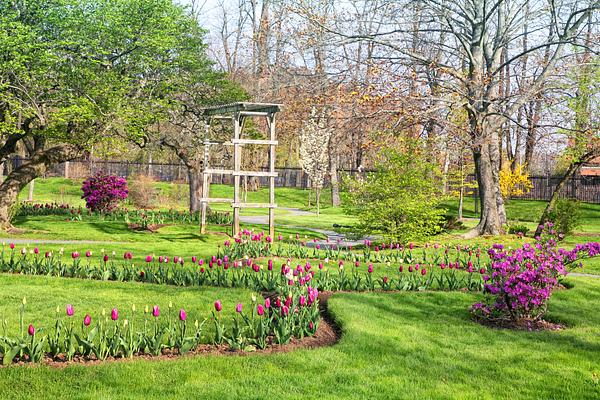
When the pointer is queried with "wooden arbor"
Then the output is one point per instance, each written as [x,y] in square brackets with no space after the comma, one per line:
[238,113]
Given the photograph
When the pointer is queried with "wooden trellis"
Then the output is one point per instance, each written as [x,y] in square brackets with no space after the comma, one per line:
[238,113]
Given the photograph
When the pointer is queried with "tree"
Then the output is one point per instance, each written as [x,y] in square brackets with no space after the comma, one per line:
[80,72]
[314,151]
[470,46]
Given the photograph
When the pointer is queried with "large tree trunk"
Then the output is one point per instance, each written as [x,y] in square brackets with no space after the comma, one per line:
[195,182]
[489,222]
[36,166]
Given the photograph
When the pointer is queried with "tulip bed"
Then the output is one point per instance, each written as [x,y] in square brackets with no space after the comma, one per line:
[118,333]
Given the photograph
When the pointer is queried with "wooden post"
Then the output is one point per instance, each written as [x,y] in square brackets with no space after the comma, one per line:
[271,123]
[237,163]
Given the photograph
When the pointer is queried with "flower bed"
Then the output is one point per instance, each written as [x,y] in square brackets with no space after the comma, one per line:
[293,314]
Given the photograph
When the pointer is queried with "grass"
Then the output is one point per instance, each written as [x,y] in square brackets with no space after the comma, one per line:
[402,345]
[44,294]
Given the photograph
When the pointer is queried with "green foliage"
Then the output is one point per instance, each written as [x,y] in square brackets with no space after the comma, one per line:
[400,200]
[82,71]
[566,215]
[518,228]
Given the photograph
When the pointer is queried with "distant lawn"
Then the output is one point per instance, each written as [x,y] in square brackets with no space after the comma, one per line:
[401,346]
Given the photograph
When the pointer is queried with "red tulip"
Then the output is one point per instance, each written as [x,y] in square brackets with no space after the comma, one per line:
[423,271]
[31,330]
[148,259]
[88,254]
[87,320]
[370,270]
[36,250]
[105,258]
[12,246]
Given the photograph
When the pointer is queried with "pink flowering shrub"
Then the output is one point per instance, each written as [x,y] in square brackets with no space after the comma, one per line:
[519,282]
[102,192]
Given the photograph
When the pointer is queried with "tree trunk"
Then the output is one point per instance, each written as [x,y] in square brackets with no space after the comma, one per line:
[318,200]
[335,183]
[36,166]
[573,168]
[195,182]
[489,222]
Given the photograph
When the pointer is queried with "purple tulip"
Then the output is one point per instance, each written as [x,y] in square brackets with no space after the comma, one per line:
[70,310]
[87,320]
[218,306]
[31,330]
[182,315]
[155,311]
[114,314]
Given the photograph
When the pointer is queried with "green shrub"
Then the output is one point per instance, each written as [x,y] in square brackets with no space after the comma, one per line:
[400,200]
[566,215]
[517,228]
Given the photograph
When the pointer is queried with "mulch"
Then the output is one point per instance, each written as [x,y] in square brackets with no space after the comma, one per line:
[523,325]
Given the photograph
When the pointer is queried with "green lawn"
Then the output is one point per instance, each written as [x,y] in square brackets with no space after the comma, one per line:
[403,345]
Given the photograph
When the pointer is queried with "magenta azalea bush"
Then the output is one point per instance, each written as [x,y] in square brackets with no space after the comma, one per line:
[102,192]
[520,282]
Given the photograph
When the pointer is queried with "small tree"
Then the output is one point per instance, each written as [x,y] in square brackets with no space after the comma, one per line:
[400,200]
[314,155]
[103,192]
[514,182]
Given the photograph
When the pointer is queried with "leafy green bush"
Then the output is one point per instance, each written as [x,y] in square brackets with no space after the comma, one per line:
[517,228]
[400,200]
[566,215]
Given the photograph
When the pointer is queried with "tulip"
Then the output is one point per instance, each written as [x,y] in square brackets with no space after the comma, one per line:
[31,330]
[75,255]
[423,271]
[182,315]
[260,310]
[148,259]
[370,270]
[401,268]
[267,303]
[155,311]
[114,314]
[87,320]
[201,261]
[302,300]
[218,305]
[194,259]
[88,254]
[36,250]
[12,246]
[70,310]
[105,258]
[238,308]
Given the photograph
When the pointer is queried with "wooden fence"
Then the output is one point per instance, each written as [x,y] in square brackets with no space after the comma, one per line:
[582,188]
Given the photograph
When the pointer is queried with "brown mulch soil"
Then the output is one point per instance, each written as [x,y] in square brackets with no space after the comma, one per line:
[523,325]
[328,333]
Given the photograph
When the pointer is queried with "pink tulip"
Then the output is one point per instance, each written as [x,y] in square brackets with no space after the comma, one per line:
[31,330]
[70,310]
[36,250]
[155,311]
[218,305]
[260,309]
[370,270]
[201,261]
[114,314]
[194,259]
[267,303]
[88,254]
[182,315]
[75,255]
[12,246]
[238,308]
[302,300]
[87,320]
[423,271]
